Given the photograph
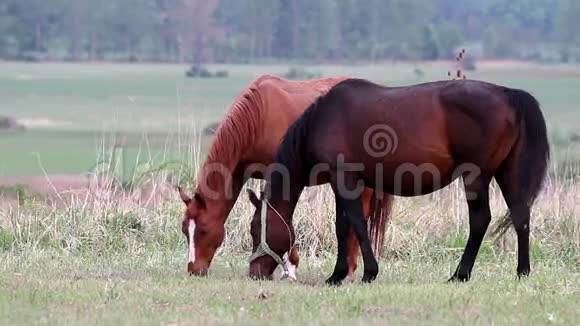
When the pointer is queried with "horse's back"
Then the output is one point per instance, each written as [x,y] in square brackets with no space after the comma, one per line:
[280,95]
[445,123]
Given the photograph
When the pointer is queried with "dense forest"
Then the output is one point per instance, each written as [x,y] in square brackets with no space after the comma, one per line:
[302,30]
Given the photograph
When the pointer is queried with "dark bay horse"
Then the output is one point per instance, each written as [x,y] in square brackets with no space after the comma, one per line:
[408,141]
[244,144]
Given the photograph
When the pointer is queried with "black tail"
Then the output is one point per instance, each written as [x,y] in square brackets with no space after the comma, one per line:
[534,152]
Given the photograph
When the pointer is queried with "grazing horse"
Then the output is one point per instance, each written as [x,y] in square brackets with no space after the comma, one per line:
[243,145]
[408,141]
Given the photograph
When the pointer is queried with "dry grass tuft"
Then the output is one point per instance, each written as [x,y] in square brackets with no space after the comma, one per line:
[146,216]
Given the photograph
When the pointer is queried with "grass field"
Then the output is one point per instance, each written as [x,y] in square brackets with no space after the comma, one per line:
[71,106]
[150,288]
[108,258]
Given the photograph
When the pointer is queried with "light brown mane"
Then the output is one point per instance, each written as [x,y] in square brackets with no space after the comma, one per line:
[235,134]
[240,128]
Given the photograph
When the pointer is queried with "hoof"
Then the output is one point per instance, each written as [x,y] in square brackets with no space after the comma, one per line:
[334,280]
[523,273]
[458,279]
[368,278]
[370,273]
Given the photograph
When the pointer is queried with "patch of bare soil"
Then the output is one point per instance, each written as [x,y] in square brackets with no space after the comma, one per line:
[62,189]
[46,184]
[42,123]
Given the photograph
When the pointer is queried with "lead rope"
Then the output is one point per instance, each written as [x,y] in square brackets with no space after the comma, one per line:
[263,248]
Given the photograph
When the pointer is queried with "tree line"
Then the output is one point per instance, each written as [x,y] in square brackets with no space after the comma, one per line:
[265,30]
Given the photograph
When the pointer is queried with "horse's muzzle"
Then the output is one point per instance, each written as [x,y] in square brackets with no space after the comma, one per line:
[195,270]
[262,268]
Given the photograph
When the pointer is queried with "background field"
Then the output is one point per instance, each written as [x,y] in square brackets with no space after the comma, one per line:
[73,109]
[118,256]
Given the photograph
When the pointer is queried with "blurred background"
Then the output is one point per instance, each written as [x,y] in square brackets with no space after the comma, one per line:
[126,87]
[106,105]
[241,31]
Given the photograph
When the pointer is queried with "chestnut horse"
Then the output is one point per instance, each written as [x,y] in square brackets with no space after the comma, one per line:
[243,145]
[433,134]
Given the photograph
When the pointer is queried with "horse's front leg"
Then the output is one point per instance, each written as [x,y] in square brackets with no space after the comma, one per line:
[370,212]
[354,211]
[342,228]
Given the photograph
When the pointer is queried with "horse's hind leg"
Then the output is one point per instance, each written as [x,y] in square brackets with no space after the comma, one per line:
[353,247]
[479,217]
[520,215]
[342,230]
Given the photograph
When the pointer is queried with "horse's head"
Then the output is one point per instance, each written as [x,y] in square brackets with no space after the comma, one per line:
[271,242]
[203,231]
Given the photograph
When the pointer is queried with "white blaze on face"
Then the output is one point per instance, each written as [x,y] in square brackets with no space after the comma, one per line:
[190,233]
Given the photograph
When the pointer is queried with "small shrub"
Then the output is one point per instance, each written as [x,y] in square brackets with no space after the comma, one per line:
[221,74]
[456,240]
[197,71]
[122,223]
[20,192]
[7,239]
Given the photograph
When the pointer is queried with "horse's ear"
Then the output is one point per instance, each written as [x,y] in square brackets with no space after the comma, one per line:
[184,197]
[253,197]
[199,200]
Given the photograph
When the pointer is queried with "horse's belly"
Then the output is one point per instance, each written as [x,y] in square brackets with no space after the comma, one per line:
[409,179]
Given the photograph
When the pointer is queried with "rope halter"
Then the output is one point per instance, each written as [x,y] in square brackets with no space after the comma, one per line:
[263,248]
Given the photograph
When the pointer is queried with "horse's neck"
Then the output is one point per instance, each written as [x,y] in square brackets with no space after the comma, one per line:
[220,177]
[285,207]
[286,193]
[220,188]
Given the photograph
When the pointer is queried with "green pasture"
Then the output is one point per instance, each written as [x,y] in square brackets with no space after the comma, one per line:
[71,107]
[150,288]
[104,260]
